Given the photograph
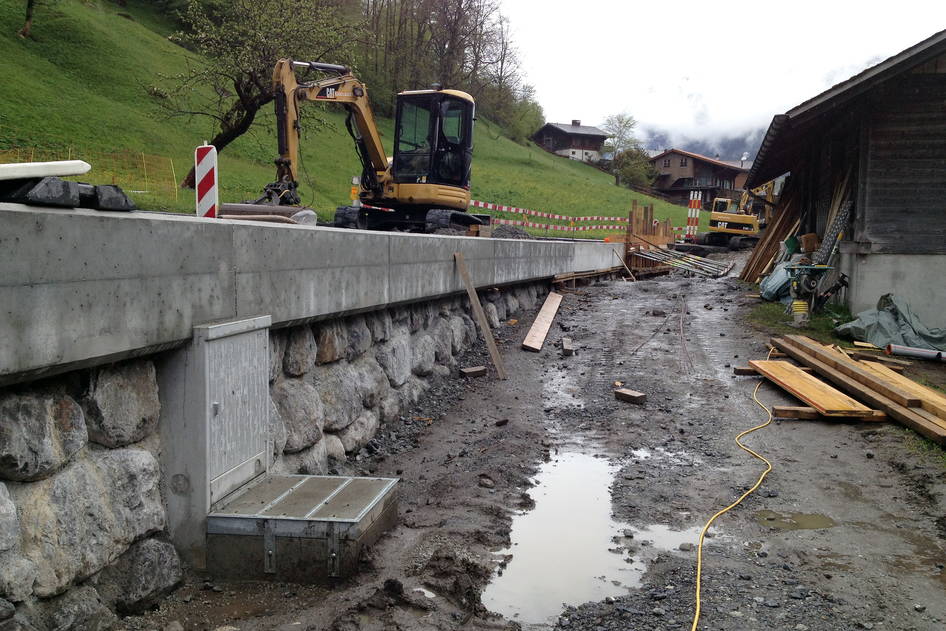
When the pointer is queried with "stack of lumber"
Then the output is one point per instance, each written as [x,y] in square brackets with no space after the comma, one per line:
[783,226]
[846,386]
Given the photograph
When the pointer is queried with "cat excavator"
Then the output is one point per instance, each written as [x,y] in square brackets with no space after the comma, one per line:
[425,186]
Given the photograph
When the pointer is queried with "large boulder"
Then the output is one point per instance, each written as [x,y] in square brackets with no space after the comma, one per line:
[380,324]
[311,461]
[39,433]
[277,349]
[359,338]
[79,609]
[357,435]
[16,572]
[492,315]
[443,339]
[338,389]
[123,407]
[332,340]
[300,408]
[80,520]
[277,429]
[463,333]
[301,351]
[334,447]
[512,303]
[395,357]
[140,577]
[423,355]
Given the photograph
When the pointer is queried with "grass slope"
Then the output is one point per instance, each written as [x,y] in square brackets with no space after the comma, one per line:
[81,83]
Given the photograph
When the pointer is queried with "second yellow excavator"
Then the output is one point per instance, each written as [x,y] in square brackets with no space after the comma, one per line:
[425,186]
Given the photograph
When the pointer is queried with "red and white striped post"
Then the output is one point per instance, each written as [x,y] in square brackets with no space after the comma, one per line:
[205,175]
[693,215]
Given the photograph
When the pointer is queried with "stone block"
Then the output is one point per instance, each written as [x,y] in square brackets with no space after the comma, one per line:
[395,357]
[334,447]
[123,407]
[40,431]
[341,400]
[359,337]
[332,341]
[136,582]
[380,324]
[277,350]
[301,350]
[357,435]
[423,355]
[300,407]
[492,315]
[78,521]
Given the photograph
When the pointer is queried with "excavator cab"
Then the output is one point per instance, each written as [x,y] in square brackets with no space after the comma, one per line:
[434,138]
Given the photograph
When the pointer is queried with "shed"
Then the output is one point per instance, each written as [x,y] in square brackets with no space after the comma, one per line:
[884,132]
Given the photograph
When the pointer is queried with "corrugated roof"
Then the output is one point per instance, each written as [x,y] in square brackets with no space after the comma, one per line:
[580,130]
[766,168]
[697,156]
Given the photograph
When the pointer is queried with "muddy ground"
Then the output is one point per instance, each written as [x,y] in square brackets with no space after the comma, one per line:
[847,532]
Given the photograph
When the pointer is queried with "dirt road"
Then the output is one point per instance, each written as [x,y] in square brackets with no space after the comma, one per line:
[522,495]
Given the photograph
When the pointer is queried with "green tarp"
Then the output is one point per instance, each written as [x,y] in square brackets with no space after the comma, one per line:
[893,322]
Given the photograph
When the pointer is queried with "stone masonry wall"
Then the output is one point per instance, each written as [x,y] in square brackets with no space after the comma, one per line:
[334,383]
[81,516]
[82,521]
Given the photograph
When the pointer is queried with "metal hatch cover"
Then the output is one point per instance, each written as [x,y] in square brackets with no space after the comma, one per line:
[299,528]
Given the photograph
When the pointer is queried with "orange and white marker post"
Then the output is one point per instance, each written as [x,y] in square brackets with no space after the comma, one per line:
[205,175]
[693,215]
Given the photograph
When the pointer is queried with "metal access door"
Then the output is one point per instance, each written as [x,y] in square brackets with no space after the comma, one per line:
[235,362]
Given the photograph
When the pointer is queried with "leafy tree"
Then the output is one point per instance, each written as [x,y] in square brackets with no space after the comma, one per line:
[240,42]
[630,163]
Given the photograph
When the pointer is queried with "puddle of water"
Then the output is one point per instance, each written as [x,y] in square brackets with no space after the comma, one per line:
[794,521]
[560,549]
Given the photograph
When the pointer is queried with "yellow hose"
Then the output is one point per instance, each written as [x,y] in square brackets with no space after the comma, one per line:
[699,548]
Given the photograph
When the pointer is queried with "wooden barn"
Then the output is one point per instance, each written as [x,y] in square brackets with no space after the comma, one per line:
[877,140]
[575,141]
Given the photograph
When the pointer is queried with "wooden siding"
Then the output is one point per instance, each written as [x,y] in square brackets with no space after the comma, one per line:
[904,193]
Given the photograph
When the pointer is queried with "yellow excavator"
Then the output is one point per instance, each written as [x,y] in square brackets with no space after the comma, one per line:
[425,186]
[738,225]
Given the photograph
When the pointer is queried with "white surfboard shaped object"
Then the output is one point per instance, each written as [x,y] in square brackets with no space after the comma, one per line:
[62,168]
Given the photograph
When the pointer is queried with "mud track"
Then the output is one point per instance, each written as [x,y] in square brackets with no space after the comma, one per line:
[846,533]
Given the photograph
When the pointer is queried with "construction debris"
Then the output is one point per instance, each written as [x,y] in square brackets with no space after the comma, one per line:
[568,347]
[480,315]
[816,393]
[540,328]
[631,396]
[473,371]
[686,262]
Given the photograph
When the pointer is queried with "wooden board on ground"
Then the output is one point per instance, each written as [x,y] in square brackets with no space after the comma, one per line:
[632,396]
[844,364]
[866,345]
[911,417]
[930,400]
[540,328]
[473,371]
[810,413]
[816,393]
[883,359]
[480,315]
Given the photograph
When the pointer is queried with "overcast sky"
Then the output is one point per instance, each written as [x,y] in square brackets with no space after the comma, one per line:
[702,69]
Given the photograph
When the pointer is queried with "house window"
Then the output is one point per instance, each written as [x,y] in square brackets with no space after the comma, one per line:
[666,162]
[683,162]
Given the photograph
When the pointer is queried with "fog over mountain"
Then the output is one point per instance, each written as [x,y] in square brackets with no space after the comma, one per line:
[726,146]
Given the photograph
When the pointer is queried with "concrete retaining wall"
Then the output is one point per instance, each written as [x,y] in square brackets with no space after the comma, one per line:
[914,277]
[80,288]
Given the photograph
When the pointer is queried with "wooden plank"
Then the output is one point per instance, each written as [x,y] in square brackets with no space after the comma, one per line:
[540,328]
[810,413]
[866,345]
[883,359]
[480,315]
[816,393]
[745,371]
[930,400]
[906,416]
[852,369]
[473,371]
[568,347]
[632,396]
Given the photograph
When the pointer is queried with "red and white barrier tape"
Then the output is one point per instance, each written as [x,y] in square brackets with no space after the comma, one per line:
[537,213]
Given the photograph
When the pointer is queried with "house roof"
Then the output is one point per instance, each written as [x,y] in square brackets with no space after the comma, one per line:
[578,130]
[774,160]
[696,156]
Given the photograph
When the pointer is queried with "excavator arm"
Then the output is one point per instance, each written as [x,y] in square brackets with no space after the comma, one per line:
[343,88]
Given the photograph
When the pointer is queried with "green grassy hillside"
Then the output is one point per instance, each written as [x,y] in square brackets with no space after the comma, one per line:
[80,88]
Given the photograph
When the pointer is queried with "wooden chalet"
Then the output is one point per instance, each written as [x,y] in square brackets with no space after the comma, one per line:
[682,172]
[574,141]
[877,140]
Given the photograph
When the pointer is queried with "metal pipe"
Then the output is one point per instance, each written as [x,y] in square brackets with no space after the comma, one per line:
[912,351]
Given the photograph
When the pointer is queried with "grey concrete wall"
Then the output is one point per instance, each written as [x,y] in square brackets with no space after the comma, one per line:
[82,287]
[916,277]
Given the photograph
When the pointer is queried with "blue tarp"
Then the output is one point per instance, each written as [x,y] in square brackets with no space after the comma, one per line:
[893,322]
